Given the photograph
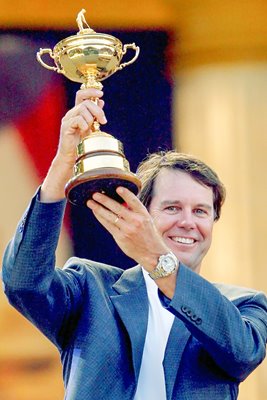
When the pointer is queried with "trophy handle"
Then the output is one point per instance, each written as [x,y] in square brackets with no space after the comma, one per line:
[39,58]
[124,51]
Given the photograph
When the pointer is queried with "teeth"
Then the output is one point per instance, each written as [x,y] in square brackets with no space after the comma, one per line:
[183,240]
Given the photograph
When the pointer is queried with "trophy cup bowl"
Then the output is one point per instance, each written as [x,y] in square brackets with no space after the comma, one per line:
[88,58]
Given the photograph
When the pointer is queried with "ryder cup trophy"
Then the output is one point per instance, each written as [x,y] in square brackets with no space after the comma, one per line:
[89,57]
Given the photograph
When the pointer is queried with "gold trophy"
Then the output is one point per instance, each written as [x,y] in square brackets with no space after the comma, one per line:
[89,57]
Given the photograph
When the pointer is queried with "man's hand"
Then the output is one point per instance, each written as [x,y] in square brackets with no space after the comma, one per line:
[134,231]
[75,125]
[78,121]
[131,226]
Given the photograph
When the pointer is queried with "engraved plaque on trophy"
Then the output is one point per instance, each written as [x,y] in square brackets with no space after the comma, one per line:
[89,57]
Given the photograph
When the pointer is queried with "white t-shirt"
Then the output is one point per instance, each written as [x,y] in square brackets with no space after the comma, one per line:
[151,382]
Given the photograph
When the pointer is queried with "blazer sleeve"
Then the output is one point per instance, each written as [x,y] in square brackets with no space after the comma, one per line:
[43,293]
[232,330]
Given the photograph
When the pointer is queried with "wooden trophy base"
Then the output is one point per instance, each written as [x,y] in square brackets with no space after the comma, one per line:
[103,180]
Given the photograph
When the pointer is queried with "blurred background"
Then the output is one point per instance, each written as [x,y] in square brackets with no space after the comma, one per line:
[199,85]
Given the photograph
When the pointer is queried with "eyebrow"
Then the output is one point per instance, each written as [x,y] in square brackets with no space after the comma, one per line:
[201,205]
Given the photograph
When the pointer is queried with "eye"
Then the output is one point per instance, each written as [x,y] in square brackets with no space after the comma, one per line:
[172,209]
[200,211]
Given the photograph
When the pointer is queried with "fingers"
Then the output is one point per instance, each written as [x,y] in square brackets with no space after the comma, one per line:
[131,227]
[89,105]
[109,220]
[131,200]
[116,217]
[84,114]
[86,94]
[133,203]
[81,117]
[78,122]
[94,96]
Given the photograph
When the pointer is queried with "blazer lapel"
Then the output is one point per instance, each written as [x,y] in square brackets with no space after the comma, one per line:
[177,340]
[131,303]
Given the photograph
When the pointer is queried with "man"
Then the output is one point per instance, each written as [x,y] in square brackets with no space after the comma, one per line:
[158,330]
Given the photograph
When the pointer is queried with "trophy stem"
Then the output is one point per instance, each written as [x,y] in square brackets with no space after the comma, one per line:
[89,71]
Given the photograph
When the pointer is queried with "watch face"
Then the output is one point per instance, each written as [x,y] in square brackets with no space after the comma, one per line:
[168,264]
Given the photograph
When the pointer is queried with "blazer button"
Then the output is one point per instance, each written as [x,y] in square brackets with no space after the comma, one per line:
[189,313]
[194,317]
[198,321]
[184,309]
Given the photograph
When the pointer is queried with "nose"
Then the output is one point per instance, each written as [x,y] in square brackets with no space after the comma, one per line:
[186,220]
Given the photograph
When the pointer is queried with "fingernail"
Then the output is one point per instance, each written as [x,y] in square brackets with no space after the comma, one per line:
[96,196]
[120,190]
[90,203]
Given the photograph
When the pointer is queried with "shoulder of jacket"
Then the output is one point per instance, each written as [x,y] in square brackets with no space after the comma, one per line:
[233,292]
[85,266]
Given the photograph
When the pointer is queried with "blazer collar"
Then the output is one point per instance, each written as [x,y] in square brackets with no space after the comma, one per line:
[130,280]
[177,340]
[131,303]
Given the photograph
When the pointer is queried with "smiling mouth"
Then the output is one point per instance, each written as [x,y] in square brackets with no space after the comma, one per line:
[183,240]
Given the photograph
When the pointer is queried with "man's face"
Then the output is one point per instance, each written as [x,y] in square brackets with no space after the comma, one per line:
[183,212]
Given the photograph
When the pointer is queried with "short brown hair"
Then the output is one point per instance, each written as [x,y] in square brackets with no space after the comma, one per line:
[149,169]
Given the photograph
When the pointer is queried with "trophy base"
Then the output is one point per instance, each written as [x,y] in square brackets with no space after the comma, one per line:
[103,180]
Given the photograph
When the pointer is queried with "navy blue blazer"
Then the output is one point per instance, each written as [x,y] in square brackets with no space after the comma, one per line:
[97,316]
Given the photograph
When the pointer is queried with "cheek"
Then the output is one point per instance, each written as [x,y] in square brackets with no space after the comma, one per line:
[163,223]
[206,230]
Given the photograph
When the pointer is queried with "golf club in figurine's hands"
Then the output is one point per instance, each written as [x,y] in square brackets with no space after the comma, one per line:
[89,57]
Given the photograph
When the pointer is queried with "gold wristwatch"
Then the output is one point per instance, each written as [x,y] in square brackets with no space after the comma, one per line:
[166,266]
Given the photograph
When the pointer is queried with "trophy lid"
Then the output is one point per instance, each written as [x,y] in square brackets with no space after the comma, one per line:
[86,35]
[87,31]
